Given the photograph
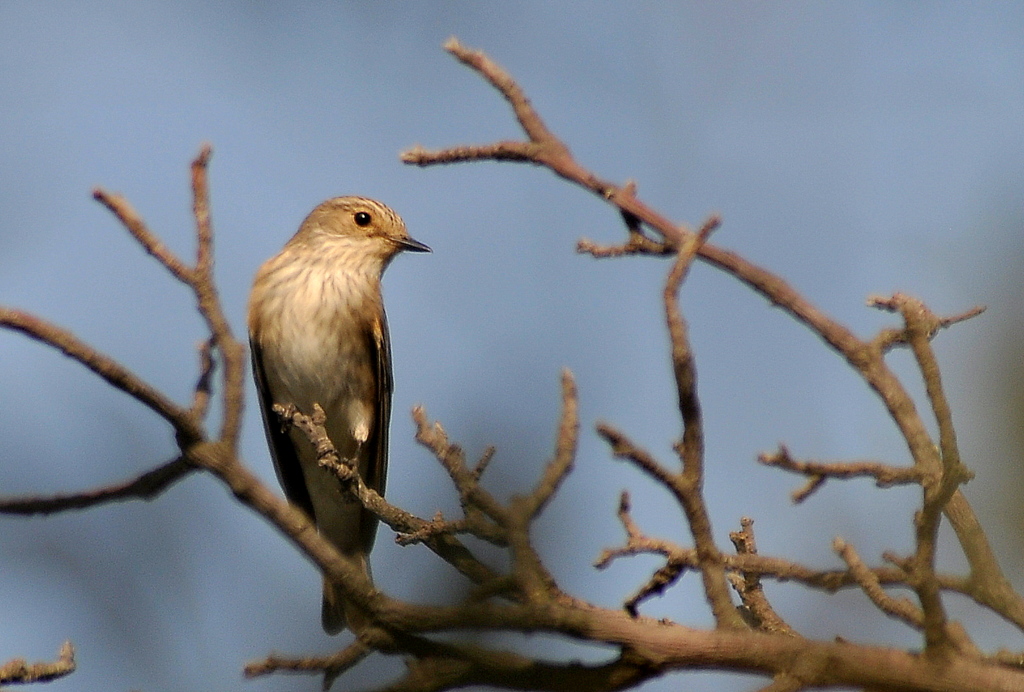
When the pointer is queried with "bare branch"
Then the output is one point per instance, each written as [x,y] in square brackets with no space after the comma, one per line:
[442,542]
[941,477]
[542,148]
[204,383]
[531,579]
[818,472]
[144,487]
[636,543]
[18,671]
[204,285]
[709,560]
[865,357]
[152,244]
[439,525]
[747,564]
[565,449]
[954,636]
[637,244]
[624,448]
[891,338]
[899,608]
[110,370]
[501,80]
[201,211]
[481,464]
[331,666]
[500,151]
[688,485]
[748,585]
[473,497]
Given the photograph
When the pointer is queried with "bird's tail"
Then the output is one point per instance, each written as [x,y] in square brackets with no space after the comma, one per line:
[337,612]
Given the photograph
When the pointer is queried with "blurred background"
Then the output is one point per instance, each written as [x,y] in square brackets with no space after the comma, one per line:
[853,148]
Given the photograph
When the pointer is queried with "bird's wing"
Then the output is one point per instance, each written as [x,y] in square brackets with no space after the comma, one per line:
[375,475]
[282,451]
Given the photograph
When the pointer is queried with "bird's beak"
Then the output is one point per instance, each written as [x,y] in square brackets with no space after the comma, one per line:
[412,245]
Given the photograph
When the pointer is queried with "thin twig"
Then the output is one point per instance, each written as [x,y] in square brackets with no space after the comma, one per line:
[501,80]
[201,211]
[133,223]
[636,244]
[748,585]
[204,286]
[623,447]
[438,526]
[637,543]
[817,472]
[331,666]
[18,671]
[941,476]
[756,565]
[888,339]
[688,485]
[899,608]
[106,367]
[565,449]
[144,487]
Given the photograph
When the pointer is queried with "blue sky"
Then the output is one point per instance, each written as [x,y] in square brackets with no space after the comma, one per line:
[853,148]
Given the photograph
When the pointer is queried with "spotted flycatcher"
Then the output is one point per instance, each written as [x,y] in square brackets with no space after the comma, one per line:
[319,336]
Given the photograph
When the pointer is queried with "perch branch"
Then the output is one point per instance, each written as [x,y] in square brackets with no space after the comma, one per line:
[441,541]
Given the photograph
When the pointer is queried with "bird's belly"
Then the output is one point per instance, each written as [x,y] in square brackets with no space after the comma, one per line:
[338,374]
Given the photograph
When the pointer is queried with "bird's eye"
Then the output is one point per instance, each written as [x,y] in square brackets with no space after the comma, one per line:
[362,218]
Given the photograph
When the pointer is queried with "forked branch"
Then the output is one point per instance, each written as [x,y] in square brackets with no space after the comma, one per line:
[525,597]
[543,148]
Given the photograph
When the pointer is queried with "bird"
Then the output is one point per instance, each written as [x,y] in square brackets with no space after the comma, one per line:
[318,334]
